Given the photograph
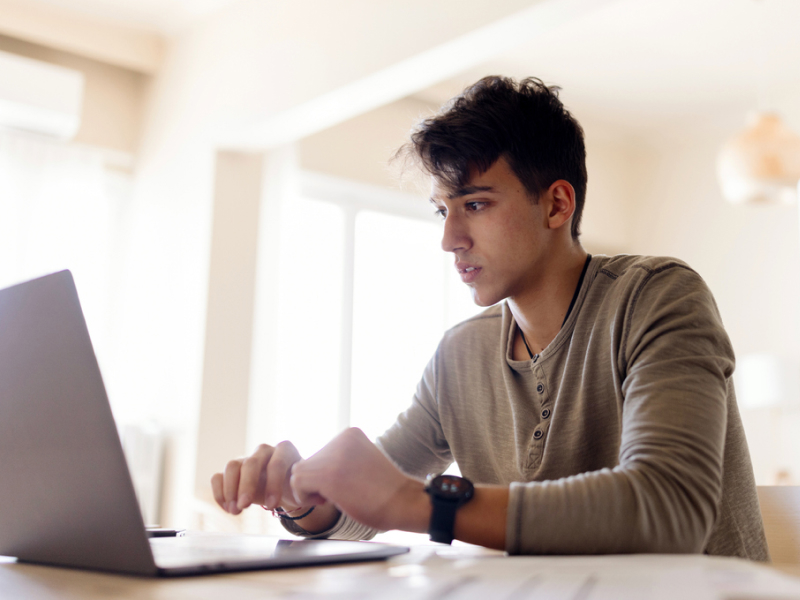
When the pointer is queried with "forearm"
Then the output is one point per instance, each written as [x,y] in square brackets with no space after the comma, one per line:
[602,512]
[480,521]
[628,509]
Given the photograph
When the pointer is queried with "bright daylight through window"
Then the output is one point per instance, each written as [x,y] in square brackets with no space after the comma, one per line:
[61,209]
[405,294]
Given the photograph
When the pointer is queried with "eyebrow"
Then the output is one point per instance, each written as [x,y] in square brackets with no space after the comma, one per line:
[470,189]
[466,191]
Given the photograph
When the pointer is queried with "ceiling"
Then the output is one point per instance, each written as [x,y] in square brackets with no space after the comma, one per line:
[647,65]
[635,66]
[156,16]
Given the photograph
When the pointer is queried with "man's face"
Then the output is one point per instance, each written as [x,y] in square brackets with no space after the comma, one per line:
[497,235]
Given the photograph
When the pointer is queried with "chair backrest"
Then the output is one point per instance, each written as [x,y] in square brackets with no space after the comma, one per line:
[780,509]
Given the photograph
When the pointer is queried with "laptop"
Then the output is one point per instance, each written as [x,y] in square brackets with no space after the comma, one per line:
[66,496]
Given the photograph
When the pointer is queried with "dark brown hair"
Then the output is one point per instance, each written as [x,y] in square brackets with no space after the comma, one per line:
[523,121]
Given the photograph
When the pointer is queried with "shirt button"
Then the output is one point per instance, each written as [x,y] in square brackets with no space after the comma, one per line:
[540,388]
[545,413]
[537,435]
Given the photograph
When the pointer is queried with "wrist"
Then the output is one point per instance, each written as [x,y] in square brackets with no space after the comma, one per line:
[448,493]
[321,519]
[415,507]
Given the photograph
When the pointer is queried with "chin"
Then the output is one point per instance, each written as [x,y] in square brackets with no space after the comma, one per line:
[484,300]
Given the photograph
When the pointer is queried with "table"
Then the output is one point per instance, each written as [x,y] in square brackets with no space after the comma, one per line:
[434,572]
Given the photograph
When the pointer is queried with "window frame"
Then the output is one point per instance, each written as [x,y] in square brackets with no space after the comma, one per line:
[354,197]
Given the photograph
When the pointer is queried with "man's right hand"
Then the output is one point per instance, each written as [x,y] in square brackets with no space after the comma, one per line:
[261,478]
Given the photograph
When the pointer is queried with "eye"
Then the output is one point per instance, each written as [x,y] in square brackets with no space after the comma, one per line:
[441,213]
[475,206]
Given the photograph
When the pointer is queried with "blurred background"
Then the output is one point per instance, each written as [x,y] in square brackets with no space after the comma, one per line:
[216,175]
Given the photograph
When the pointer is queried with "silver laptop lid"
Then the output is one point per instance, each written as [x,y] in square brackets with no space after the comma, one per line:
[61,500]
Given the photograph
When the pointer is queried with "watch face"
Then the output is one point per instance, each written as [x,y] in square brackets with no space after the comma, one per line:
[452,487]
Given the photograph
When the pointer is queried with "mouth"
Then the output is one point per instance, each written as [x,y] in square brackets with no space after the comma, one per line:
[468,274]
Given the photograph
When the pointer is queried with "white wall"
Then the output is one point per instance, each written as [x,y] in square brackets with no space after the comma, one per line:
[612,163]
[361,148]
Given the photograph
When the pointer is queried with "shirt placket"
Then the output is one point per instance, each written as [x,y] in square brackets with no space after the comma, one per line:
[541,399]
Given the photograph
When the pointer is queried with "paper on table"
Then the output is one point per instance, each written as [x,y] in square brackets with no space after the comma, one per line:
[658,577]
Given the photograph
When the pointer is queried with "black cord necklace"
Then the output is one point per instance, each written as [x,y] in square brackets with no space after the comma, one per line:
[528,348]
[571,304]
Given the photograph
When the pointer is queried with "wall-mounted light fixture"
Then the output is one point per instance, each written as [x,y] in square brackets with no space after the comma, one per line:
[761,163]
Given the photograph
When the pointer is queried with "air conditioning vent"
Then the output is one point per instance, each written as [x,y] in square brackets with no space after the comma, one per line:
[39,97]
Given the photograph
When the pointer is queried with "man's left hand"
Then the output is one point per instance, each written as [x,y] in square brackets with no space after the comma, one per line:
[354,474]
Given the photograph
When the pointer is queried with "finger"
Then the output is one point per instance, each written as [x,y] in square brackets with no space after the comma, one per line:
[304,484]
[230,485]
[278,473]
[252,476]
[216,488]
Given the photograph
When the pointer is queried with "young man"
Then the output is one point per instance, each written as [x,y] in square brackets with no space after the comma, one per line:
[592,404]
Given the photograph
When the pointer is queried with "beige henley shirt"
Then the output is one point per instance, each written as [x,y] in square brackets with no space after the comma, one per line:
[622,436]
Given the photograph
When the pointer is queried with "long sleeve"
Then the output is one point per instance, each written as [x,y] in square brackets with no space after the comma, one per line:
[416,442]
[345,528]
[674,363]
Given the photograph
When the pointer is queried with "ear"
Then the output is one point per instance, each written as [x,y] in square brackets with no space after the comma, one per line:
[562,203]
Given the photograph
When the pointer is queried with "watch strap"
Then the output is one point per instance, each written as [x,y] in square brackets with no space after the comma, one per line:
[443,520]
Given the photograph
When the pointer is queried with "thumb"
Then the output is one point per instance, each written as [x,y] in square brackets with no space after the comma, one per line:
[304,485]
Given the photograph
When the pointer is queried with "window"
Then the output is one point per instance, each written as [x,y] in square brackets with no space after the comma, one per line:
[365,294]
[309,322]
[398,314]
[60,208]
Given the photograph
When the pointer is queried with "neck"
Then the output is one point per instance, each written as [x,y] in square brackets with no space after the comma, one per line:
[540,310]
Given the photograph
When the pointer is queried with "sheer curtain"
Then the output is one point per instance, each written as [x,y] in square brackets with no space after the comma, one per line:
[61,209]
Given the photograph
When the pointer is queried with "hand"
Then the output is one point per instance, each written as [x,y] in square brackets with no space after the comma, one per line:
[352,473]
[262,478]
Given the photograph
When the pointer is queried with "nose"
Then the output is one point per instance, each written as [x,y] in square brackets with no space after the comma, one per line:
[455,236]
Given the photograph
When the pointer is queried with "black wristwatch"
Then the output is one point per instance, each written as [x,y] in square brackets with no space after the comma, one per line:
[447,493]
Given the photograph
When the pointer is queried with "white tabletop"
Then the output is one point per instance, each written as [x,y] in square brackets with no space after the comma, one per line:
[434,571]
